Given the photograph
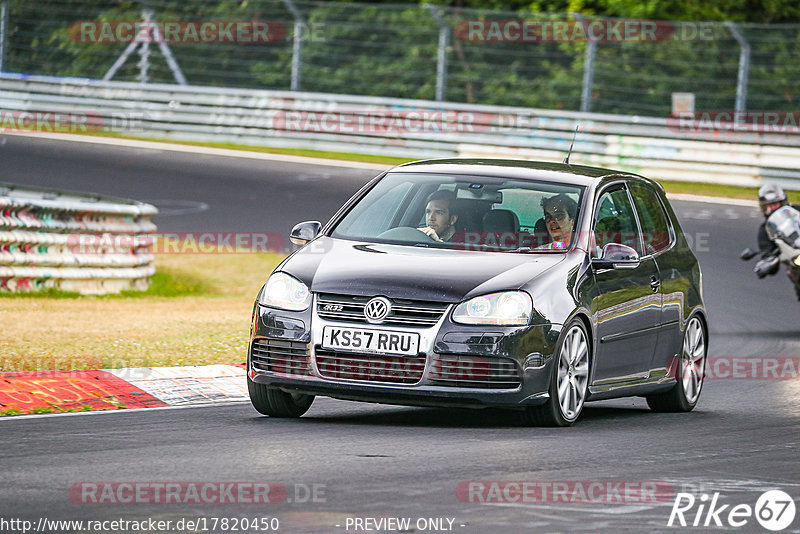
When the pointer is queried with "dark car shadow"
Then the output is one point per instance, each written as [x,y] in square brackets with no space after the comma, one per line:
[489,418]
[427,417]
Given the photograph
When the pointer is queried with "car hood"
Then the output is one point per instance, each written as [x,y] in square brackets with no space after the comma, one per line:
[330,265]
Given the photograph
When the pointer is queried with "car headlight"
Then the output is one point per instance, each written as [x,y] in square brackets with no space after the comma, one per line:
[507,308]
[797,261]
[285,292]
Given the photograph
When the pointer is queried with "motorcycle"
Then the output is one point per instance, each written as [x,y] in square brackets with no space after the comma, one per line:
[783,228]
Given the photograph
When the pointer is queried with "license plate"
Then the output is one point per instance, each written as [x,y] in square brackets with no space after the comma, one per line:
[369,340]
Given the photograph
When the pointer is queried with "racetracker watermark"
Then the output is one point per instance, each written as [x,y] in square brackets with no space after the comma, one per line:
[561,31]
[744,368]
[538,241]
[727,121]
[397,121]
[70,122]
[382,367]
[177,32]
[503,241]
[178,243]
[565,491]
[272,242]
[202,493]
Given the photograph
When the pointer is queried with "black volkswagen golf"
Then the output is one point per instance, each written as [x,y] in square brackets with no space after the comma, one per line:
[474,283]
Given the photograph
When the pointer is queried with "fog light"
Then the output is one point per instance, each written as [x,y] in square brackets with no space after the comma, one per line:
[534,360]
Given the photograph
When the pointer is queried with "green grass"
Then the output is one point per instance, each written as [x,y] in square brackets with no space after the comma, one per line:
[49,293]
[717,190]
[165,283]
[196,312]
[170,283]
[45,409]
[344,156]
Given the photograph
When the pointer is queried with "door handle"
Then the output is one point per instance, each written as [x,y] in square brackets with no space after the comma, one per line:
[654,283]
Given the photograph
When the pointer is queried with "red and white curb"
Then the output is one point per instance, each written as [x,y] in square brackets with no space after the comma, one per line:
[137,387]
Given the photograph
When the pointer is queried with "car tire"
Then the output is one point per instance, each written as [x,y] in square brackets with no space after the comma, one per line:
[569,382]
[689,371]
[276,403]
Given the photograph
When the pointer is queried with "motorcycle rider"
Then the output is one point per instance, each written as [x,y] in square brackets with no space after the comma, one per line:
[770,198]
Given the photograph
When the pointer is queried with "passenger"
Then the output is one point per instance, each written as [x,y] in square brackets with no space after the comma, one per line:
[440,216]
[559,218]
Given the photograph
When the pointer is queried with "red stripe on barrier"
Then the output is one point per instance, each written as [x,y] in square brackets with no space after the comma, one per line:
[98,390]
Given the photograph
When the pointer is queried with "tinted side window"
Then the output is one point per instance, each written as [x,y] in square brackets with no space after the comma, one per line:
[655,225]
[614,221]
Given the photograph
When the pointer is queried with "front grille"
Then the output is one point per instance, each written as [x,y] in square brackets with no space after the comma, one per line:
[404,312]
[474,372]
[279,356]
[370,367]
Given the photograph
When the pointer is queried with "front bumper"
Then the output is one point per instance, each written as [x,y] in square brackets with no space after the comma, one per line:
[530,348]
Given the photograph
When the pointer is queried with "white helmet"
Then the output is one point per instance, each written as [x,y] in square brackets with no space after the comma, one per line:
[770,198]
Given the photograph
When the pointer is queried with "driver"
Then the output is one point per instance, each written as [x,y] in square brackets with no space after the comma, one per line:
[440,216]
[559,217]
[770,198]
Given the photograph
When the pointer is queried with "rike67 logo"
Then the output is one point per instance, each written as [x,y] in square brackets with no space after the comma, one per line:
[774,510]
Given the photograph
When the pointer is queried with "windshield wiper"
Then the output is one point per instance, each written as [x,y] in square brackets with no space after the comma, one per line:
[522,250]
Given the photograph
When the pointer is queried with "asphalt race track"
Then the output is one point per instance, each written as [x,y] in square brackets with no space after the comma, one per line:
[383,461]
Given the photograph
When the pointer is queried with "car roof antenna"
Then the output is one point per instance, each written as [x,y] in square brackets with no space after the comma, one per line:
[566,159]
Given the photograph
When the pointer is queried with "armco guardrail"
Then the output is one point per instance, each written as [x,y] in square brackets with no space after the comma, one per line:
[73,242]
[652,146]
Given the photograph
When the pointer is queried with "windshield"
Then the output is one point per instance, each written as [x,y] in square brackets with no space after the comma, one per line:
[465,212]
[784,224]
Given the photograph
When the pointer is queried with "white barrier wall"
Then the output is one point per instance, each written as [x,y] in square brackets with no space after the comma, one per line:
[656,147]
[73,242]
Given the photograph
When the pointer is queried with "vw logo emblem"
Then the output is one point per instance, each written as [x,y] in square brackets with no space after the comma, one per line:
[377,309]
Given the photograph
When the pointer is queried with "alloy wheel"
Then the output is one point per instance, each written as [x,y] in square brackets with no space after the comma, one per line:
[693,360]
[573,373]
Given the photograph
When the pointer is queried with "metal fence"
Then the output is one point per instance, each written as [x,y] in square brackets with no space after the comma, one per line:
[656,147]
[412,51]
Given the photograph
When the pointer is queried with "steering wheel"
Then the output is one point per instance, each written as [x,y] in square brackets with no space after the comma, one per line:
[406,233]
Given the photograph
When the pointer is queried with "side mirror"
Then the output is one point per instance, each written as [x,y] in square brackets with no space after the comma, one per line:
[748,254]
[304,232]
[616,256]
